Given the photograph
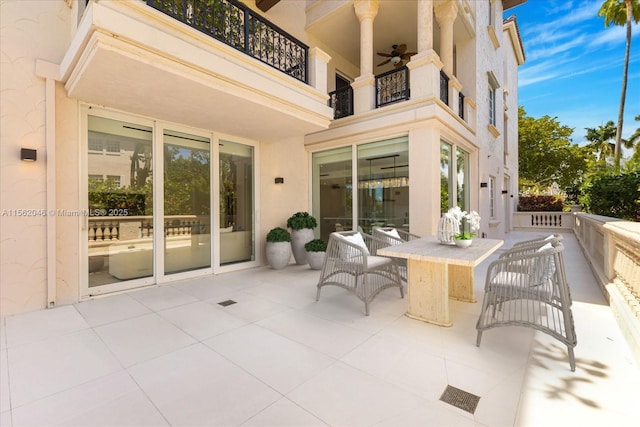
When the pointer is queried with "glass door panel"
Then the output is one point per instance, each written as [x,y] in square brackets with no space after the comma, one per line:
[187,202]
[462,183]
[333,190]
[120,201]
[383,184]
[445,177]
[237,202]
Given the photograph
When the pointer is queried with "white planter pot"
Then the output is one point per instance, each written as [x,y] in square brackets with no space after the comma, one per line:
[316,259]
[278,254]
[299,238]
[464,243]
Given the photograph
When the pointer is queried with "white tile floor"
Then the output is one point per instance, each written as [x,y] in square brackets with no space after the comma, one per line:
[171,355]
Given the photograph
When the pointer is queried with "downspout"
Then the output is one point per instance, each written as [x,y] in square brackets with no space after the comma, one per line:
[50,72]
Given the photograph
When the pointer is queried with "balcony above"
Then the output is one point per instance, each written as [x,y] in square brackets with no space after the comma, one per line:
[133,57]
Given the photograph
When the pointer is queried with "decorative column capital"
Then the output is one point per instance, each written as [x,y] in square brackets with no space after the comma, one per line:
[446,12]
[366,9]
[316,52]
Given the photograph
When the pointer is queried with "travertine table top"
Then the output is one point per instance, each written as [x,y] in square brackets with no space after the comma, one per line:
[430,249]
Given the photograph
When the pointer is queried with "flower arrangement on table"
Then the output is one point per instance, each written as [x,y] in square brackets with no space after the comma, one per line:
[457,225]
[467,223]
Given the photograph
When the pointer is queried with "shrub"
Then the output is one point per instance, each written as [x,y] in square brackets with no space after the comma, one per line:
[613,195]
[316,245]
[278,234]
[539,204]
[301,220]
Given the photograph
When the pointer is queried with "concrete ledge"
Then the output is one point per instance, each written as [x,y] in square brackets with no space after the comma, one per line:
[622,305]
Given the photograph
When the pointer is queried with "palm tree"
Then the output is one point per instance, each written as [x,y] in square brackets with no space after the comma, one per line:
[600,140]
[634,141]
[620,12]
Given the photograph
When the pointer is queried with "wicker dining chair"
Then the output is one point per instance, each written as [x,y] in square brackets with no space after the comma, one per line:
[352,263]
[530,289]
[530,247]
[395,236]
[538,240]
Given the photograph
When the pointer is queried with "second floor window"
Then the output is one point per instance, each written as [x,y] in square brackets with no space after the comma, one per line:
[493,85]
[492,197]
[492,106]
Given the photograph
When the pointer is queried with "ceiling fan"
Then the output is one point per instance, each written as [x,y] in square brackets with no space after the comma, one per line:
[398,56]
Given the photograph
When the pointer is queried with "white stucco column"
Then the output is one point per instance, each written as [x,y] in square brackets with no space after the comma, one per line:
[318,60]
[425,26]
[445,15]
[364,85]
[425,66]
[50,72]
[424,180]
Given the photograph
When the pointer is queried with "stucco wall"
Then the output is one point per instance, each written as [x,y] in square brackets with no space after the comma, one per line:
[491,155]
[289,160]
[38,30]
[511,125]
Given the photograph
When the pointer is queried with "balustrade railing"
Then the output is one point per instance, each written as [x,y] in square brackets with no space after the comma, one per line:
[238,26]
[444,87]
[392,86]
[112,229]
[543,220]
[341,100]
[612,248]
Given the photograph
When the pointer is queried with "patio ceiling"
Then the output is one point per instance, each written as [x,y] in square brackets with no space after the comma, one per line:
[153,67]
[338,27]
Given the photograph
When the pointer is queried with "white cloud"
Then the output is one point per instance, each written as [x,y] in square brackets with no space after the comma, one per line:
[555,49]
[613,35]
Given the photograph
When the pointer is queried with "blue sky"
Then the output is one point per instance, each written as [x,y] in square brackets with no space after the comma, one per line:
[573,67]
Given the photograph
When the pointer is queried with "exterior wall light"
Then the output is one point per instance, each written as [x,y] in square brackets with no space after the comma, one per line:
[279,180]
[483,185]
[28,154]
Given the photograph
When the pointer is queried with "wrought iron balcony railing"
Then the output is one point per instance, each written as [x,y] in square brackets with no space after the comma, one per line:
[341,100]
[444,87]
[238,26]
[461,105]
[392,86]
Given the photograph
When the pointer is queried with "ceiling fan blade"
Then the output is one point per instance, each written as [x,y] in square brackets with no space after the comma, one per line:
[384,54]
[407,55]
[385,62]
[399,64]
[400,49]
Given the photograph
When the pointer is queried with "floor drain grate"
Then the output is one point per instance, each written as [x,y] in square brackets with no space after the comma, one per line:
[227,302]
[460,399]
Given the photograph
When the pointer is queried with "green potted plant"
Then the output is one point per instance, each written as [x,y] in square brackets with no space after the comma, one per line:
[316,250]
[301,225]
[278,248]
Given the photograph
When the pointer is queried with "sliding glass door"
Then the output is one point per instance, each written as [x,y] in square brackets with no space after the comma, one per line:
[149,192]
[120,201]
[454,177]
[333,190]
[237,202]
[383,184]
[187,202]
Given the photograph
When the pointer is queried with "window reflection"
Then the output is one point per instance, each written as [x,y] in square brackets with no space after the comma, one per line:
[453,185]
[187,202]
[332,191]
[120,201]
[383,184]
[236,202]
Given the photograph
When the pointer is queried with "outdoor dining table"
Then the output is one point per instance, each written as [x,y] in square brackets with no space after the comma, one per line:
[437,272]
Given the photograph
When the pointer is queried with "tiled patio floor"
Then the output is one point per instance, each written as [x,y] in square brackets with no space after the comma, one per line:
[171,355]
